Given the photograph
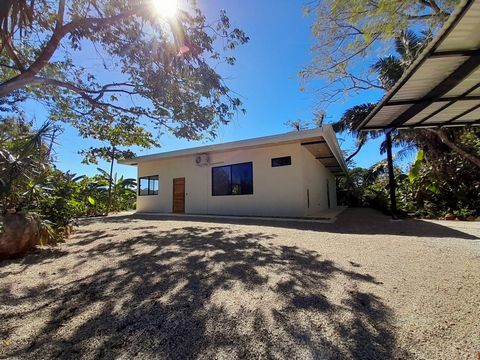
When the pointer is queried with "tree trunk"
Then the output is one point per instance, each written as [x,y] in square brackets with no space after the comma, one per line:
[110,180]
[475,160]
[352,155]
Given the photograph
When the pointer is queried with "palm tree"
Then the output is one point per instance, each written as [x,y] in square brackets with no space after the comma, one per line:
[390,69]
[119,190]
[24,156]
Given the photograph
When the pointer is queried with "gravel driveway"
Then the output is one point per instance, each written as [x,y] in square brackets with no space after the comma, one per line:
[365,287]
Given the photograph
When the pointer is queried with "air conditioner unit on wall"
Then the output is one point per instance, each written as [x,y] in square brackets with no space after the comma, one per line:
[202,160]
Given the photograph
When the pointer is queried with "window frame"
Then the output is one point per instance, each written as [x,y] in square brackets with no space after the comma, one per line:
[230,180]
[289,157]
[150,192]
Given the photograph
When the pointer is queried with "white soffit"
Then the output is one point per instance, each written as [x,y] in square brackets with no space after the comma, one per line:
[442,86]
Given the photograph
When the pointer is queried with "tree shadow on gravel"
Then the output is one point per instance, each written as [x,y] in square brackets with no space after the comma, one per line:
[202,292]
[352,221]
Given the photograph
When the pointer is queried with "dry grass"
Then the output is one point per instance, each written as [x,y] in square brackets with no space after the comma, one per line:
[362,288]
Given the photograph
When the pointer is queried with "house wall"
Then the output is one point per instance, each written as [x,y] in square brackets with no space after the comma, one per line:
[277,191]
[167,170]
[315,177]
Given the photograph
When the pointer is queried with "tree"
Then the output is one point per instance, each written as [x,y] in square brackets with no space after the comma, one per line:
[116,134]
[389,69]
[158,70]
[24,161]
[297,125]
[350,34]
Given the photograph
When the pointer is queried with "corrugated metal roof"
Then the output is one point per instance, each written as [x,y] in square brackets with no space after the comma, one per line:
[442,86]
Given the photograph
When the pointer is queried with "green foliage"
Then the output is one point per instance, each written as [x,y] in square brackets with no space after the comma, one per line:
[32,184]
[24,156]
[367,187]
[442,179]
[433,187]
[415,169]
[349,35]
[164,68]
[439,184]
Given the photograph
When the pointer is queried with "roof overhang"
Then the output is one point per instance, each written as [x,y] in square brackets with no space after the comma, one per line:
[321,142]
[442,87]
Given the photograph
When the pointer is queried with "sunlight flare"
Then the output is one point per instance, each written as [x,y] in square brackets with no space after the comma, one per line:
[166,8]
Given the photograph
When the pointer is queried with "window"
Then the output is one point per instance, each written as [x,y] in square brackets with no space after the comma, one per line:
[282,161]
[232,179]
[148,185]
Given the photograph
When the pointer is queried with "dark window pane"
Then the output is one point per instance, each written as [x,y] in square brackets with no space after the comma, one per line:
[153,186]
[282,161]
[221,180]
[143,186]
[242,179]
[148,185]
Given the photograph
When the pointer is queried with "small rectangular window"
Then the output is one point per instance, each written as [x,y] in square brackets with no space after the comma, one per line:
[232,179]
[148,185]
[282,161]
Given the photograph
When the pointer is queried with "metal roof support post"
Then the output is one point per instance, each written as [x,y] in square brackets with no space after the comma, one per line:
[391,175]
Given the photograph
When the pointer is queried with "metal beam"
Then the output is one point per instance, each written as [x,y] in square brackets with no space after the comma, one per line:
[314,142]
[441,54]
[426,126]
[452,80]
[417,64]
[473,88]
[443,99]
[463,123]
[462,114]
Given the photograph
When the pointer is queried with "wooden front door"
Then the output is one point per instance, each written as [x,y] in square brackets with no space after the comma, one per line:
[179,195]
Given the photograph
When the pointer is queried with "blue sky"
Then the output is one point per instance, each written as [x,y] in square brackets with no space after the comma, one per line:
[265,77]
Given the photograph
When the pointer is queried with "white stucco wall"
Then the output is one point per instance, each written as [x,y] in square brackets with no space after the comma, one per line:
[277,191]
[167,170]
[315,177]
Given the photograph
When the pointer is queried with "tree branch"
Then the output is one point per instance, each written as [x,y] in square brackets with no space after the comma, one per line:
[59,32]
[475,160]
[12,53]
[352,155]
[95,101]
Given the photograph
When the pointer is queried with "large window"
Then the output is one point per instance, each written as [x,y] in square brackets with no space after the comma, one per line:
[232,179]
[148,185]
[282,161]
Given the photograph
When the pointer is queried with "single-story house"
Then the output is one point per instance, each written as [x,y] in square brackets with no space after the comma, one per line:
[290,175]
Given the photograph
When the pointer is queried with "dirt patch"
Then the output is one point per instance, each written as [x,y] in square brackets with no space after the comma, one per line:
[132,287]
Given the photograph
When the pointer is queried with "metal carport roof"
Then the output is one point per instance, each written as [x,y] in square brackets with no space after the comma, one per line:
[442,86]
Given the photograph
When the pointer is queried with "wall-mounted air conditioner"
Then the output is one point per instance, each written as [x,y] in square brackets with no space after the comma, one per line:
[202,160]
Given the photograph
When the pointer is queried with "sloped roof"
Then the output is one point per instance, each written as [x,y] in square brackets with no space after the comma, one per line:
[442,86]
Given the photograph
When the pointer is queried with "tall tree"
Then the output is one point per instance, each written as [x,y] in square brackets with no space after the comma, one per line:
[351,34]
[158,68]
[116,136]
[389,69]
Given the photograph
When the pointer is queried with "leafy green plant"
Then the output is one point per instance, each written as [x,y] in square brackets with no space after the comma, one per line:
[448,184]
[415,168]
[464,213]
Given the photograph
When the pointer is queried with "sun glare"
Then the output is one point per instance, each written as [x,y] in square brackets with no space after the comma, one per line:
[166,8]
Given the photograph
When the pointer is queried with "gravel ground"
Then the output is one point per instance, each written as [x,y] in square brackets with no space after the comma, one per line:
[128,287]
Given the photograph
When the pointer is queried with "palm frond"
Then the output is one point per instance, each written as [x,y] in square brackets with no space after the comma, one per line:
[389,69]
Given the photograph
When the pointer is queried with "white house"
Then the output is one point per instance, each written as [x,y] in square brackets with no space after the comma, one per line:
[291,175]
